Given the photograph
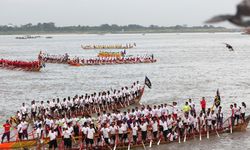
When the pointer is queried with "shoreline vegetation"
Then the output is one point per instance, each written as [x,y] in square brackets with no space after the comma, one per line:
[51,28]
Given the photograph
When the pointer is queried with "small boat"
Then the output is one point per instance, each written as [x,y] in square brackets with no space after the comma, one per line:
[241,127]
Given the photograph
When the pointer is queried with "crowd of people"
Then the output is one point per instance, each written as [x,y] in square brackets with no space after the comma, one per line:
[101,60]
[48,58]
[115,60]
[117,46]
[138,125]
[25,65]
[84,104]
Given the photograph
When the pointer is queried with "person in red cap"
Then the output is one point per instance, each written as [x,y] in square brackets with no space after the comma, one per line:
[6,126]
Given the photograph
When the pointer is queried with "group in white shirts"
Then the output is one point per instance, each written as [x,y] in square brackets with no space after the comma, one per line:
[134,126]
[79,105]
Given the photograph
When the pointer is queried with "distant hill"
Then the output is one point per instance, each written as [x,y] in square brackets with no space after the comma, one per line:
[51,28]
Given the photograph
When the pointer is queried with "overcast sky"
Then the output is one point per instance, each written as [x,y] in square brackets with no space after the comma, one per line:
[121,12]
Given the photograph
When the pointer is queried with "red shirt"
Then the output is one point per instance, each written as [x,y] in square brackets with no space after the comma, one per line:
[6,127]
[203,104]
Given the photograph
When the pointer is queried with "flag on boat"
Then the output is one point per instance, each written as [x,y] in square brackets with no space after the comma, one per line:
[148,82]
[217,99]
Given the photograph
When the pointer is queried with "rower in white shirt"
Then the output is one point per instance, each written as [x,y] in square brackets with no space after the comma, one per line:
[105,132]
[134,132]
[90,136]
[113,129]
[155,128]
[24,111]
[144,127]
[52,139]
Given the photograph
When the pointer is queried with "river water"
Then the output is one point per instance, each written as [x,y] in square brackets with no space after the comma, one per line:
[189,65]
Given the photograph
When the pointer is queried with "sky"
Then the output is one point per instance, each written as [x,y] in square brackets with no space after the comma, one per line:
[121,12]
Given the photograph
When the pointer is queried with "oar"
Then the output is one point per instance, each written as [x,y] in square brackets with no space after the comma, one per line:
[185,136]
[74,139]
[193,133]
[231,127]
[200,133]
[207,132]
[150,144]
[217,133]
[158,143]
[143,145]
[179,136]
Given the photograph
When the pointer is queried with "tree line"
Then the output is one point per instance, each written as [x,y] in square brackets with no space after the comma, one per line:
[50,27]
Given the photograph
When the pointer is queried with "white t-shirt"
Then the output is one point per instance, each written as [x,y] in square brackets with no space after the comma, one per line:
[243,109]
[23,109]
[134,130]
[113,129]
[24,125]
[105,132]
[19,128]
[52,136]
[90,133]
[144,126]
[125,127]
[84,130]
[155,126]
[164,125]
[38,132]
[66,134]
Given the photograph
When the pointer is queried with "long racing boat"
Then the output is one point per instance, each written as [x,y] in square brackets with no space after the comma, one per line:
[89,47]
[21,65]
[78,144]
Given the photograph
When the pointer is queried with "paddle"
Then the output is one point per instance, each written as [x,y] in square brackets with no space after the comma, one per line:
[179,136]
[185,136]
[217,132]
[200,129]
[158,143]
[207,132]
[143,145]
[231,127]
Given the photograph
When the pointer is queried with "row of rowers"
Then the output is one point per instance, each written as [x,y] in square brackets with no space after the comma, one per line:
[170,121]
[130,59]
[89,103]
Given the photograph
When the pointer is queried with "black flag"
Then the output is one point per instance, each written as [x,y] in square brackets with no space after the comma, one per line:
[217,99]
[148,82]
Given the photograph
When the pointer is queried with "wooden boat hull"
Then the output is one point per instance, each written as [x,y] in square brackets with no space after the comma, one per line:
[36,69]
